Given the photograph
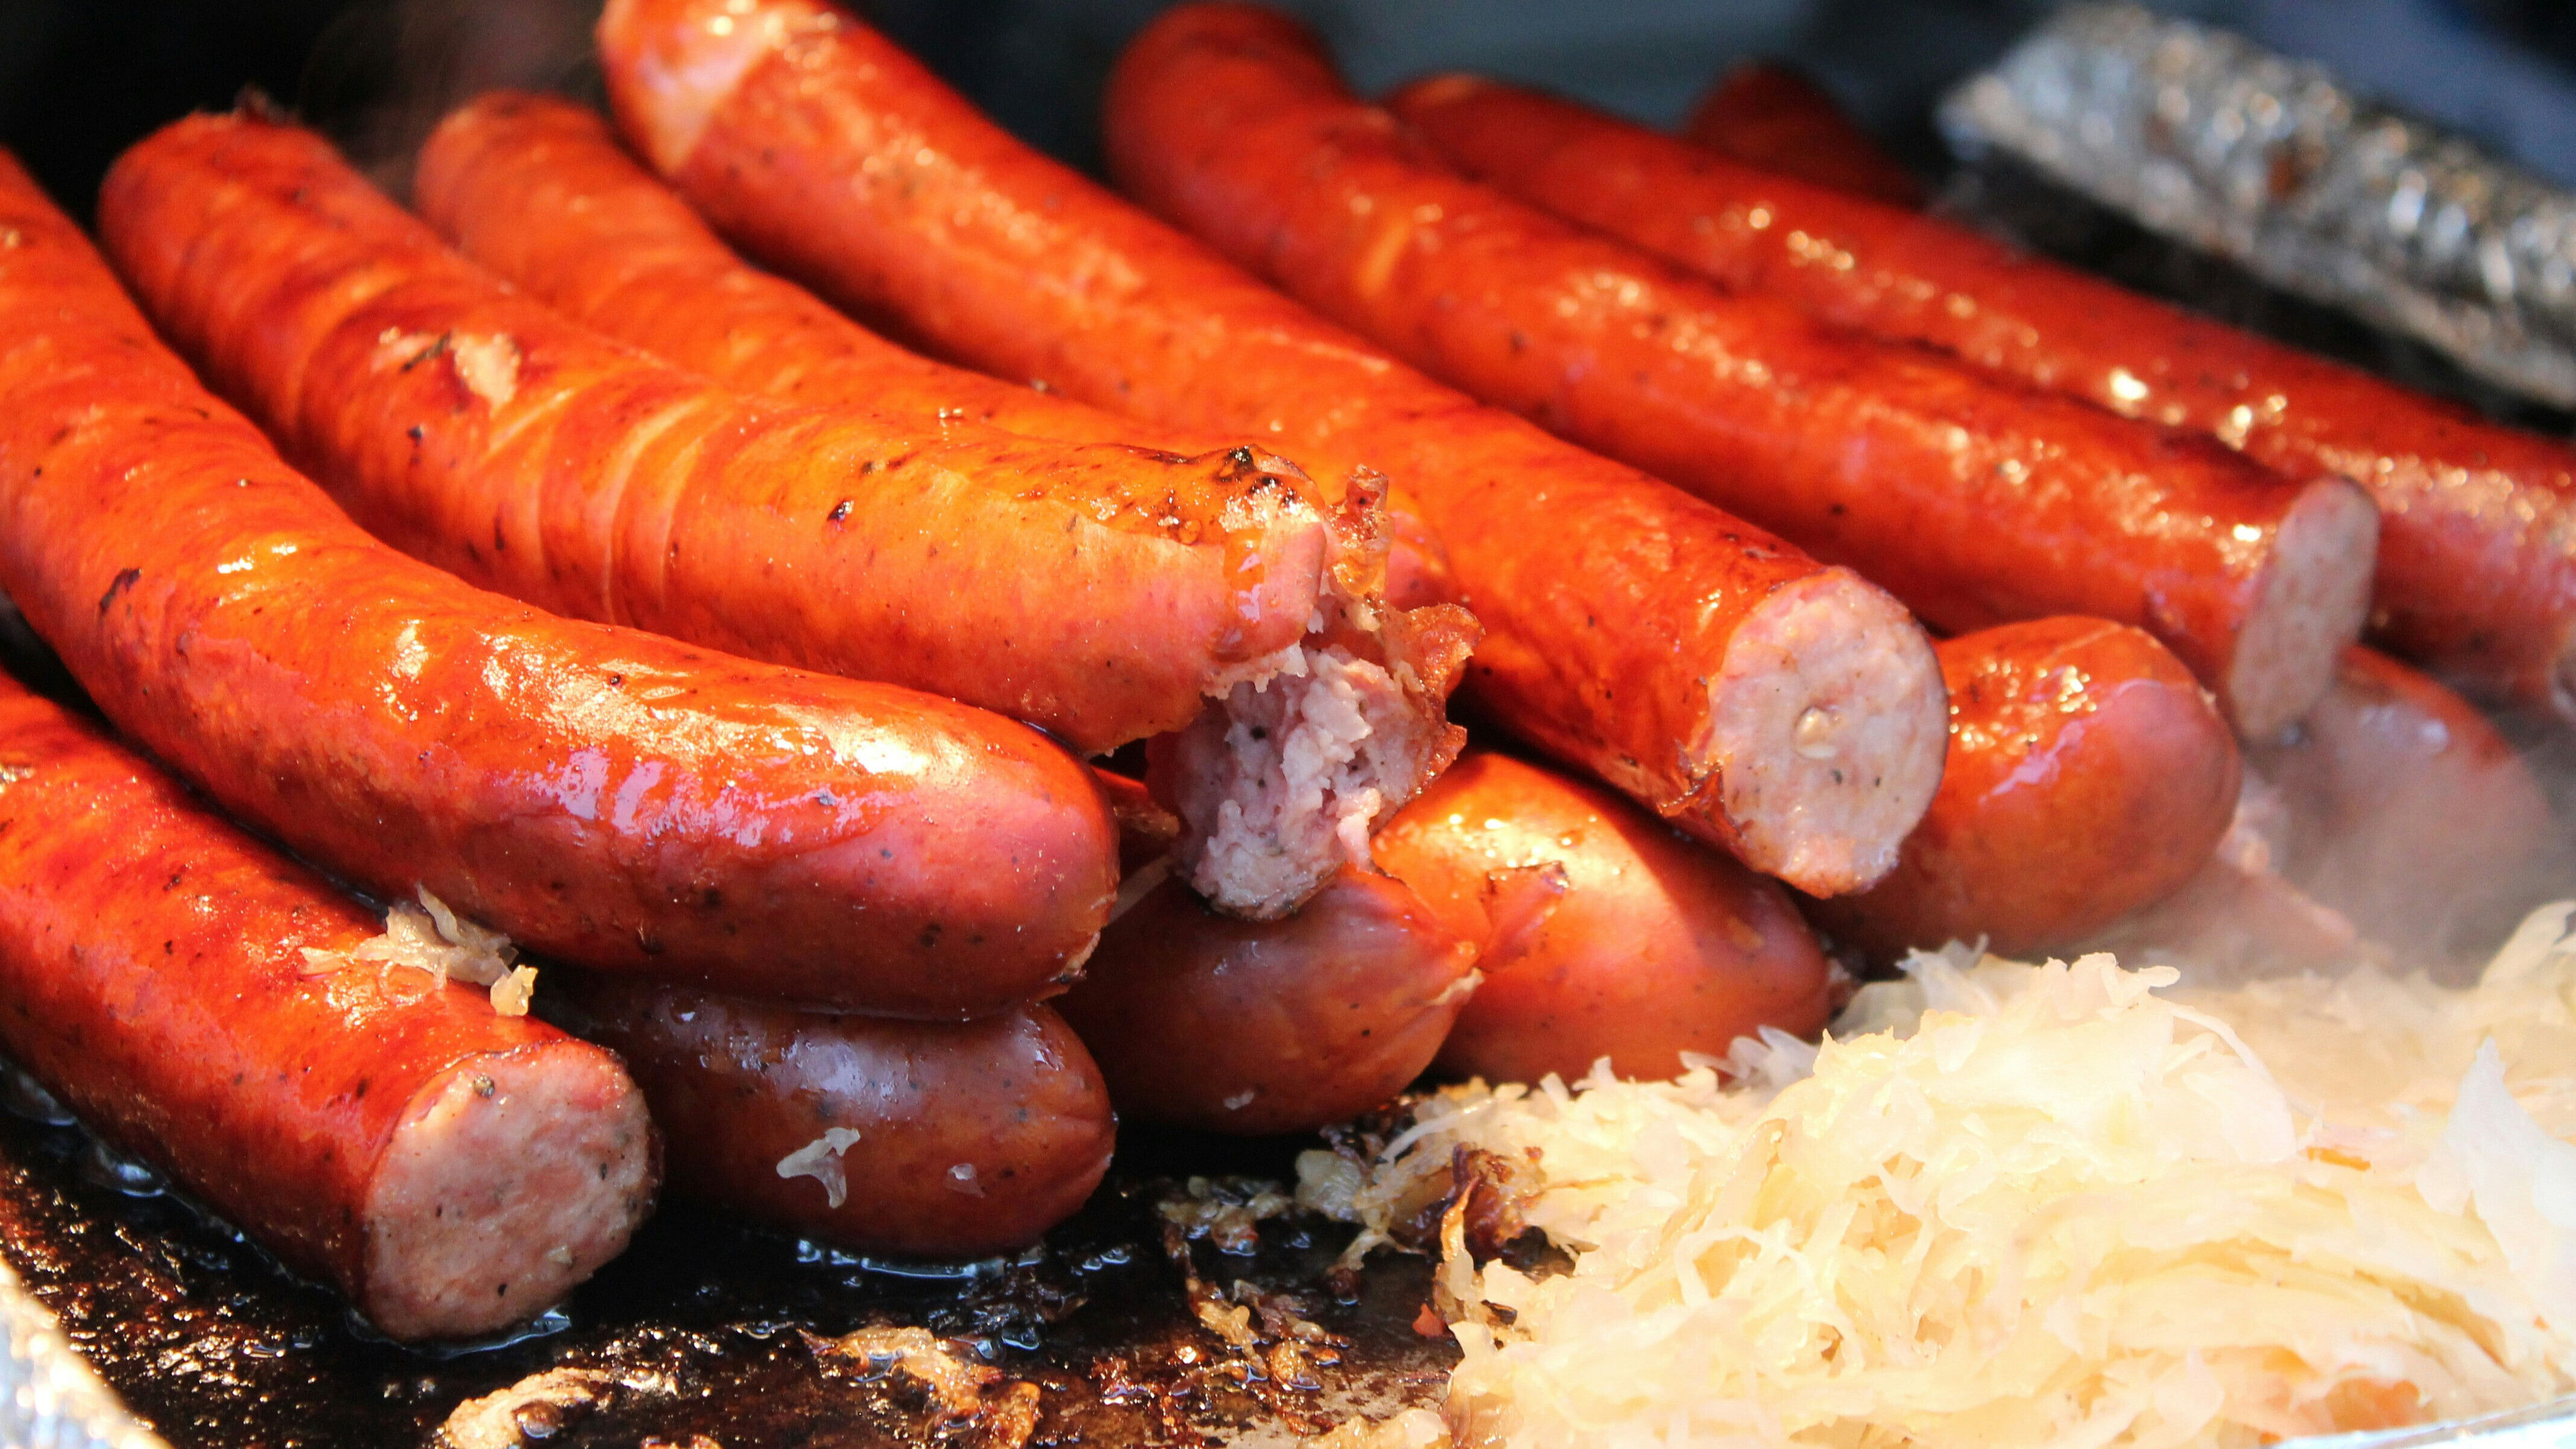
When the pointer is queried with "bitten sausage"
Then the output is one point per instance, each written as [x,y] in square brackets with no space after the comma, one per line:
[1602,932]
[601,795]
[2404,810]
[1656,641]
[1270,1026]
[945,1139]
[1106,593]
[538,190]
[1768,115]
[2477,555]
[1975,502]
[452,1170]
[2088,776]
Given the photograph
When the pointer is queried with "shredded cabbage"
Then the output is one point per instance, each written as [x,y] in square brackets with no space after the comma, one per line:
[2065,1205]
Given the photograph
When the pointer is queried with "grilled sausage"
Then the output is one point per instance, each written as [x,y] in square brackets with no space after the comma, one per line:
[601,795]
[453,1170]
[2477,556]
[1649,638]
[1106,593]
[944,1139]
[2408,813]
[1768,115]
[1273,1026]
[2088,776]
[1975,502]
[537,190]
[1603,933]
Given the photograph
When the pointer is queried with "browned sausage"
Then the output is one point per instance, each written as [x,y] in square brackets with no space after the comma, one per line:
[1269,1026]
[602,795]
[537,190]
[2405,811]
[1768,115]
[1106,593]
[1975,501]
[1653,640]
[1604,934]
[2088,776]
[2477,558]
[454,1171]
[945,1139]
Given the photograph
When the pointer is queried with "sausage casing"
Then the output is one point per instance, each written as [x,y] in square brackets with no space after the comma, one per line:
[938,1138]
[599,794]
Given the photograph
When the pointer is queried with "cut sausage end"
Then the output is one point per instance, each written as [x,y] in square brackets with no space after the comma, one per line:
[1281,781]
[512,1178]
[1827,727]
[2310,603]
[688,56]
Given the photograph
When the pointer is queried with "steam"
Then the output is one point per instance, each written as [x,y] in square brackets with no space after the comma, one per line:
[384,73]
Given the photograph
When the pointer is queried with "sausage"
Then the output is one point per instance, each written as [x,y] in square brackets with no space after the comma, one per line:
[537,190]
[1976,502]
[1603,934]
[2089,776]
[601,795]
[943,1139]
[1644,636]
[452,1170]
[2409,814]
[1768,115]
[2477,556]
[1250,1028]
[1104,593]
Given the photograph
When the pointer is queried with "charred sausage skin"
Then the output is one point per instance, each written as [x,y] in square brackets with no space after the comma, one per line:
[452,1170]
[1645,636]
[599,794]
[964,1138]
[2477,555]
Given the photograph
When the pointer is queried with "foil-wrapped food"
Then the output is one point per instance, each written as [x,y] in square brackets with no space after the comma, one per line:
[2208,138]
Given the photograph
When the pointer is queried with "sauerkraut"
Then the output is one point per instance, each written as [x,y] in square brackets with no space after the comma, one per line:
[2004,1204]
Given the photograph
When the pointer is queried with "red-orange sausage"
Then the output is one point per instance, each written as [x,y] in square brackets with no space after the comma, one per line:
[1270,1026]
[2477,558]
[1768,115]
[2088,776]
[599,794]
[1649,638]
[1603,933]
[946,1139]
[537,190]
[452,1170]
[1107,593]
[2408,813]
[1975,502]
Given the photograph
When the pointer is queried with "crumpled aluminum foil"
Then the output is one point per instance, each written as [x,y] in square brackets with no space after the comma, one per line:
[2205,137]
[49,1397]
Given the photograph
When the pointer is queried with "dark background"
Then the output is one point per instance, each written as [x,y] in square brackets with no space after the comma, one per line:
[81,79]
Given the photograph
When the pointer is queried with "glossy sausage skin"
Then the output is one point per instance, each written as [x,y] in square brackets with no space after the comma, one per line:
[2477,552]
[2088,776]
[1629,629]
[452,1170]
[1604,933]
[1976,502]
[1768,115]
[598,794]
[479,430]
[2405,811]
[1272,1026]
[973,1137]
[538,190]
